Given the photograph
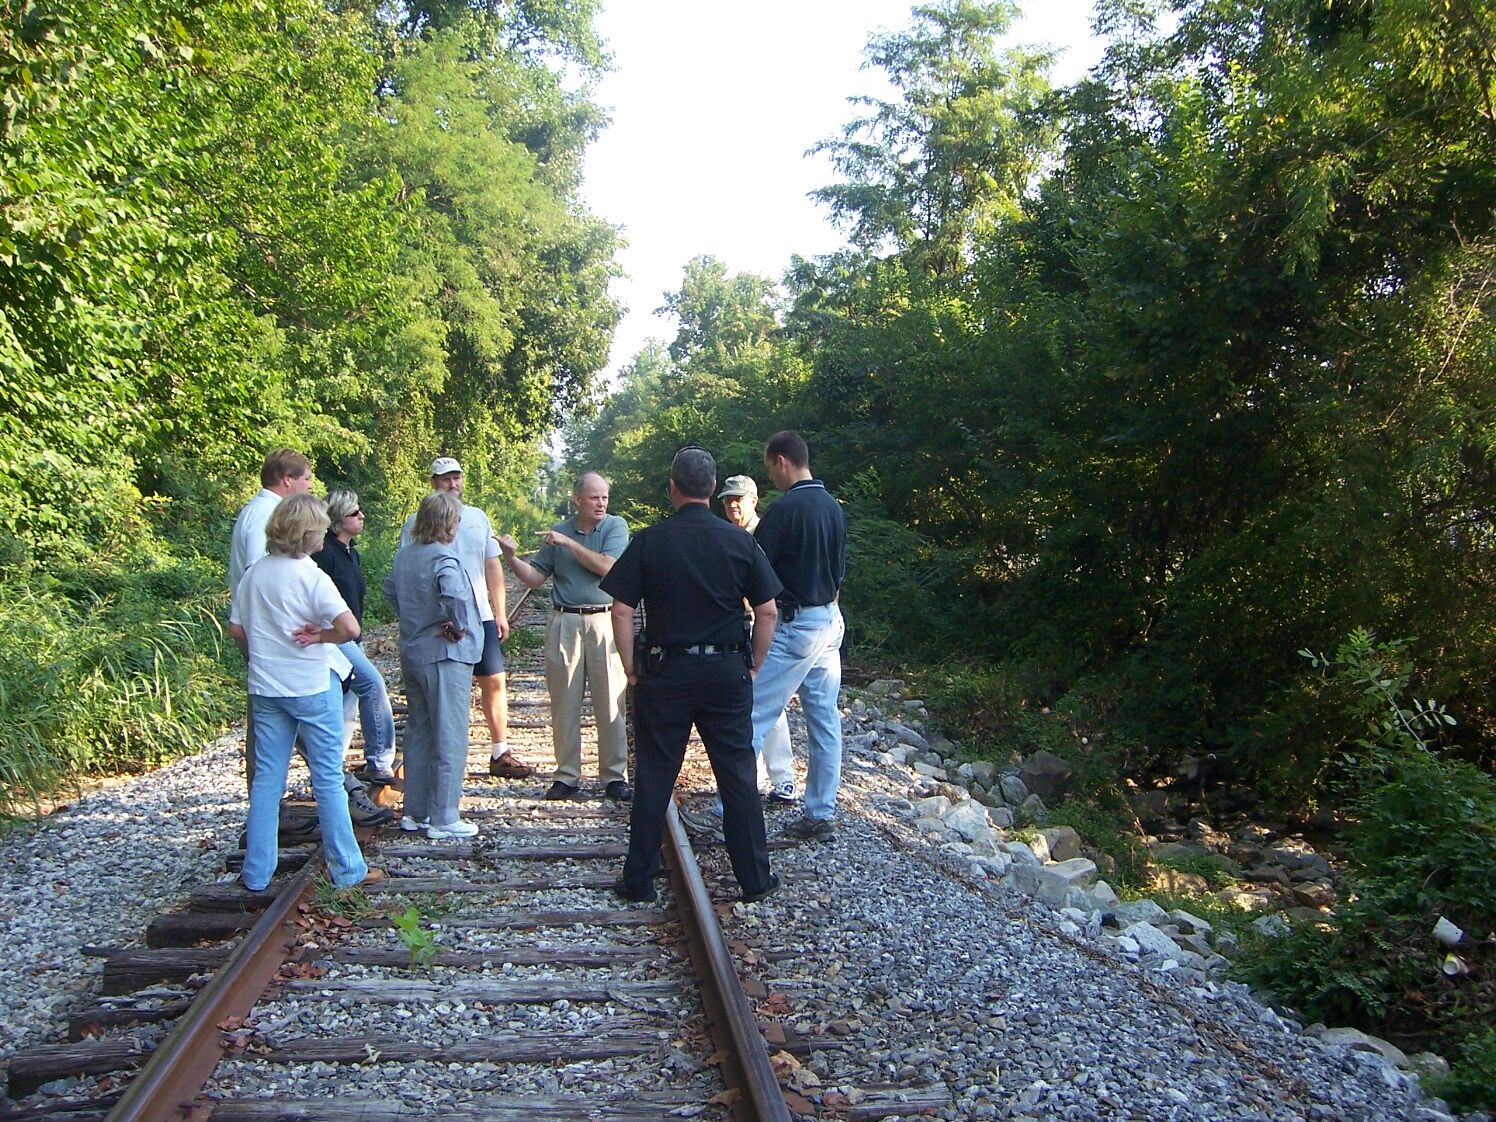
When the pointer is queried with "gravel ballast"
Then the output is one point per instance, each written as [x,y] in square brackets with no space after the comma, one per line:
[881,948]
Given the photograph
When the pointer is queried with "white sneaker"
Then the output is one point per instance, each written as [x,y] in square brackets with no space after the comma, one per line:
[458,829]
[412,825]
[783,793]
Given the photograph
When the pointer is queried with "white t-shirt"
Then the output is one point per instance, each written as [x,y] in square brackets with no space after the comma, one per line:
[276,595]
[474,545]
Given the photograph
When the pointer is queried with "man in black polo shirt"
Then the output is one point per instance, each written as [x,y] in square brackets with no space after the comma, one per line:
[693,571]
[804,535]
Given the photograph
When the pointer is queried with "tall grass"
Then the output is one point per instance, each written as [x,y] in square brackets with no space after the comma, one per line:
[106,668]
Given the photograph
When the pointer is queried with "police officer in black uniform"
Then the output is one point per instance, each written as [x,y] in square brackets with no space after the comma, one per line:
[693,572]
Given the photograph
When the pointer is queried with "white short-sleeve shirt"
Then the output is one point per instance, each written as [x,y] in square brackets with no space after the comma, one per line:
[276,595]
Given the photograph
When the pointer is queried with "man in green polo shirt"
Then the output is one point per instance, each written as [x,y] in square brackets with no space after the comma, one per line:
[580,653]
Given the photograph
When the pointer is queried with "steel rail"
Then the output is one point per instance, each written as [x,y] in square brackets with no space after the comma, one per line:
[168,1086]
[745,1056]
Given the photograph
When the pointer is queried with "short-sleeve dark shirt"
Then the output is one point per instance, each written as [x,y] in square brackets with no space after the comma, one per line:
[804,535]
[341,562]
[692,571]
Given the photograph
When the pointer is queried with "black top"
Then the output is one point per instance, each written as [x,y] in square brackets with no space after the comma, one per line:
[341,562]
[804,535]
[693,571]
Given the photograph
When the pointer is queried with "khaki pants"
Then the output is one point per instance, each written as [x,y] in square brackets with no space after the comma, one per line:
[580,655]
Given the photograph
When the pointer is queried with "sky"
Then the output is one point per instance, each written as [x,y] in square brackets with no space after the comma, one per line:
[713,105]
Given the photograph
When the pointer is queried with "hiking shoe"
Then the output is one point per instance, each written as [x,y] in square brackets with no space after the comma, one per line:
[507,767]
[768,890]
[811,829]
[414,825]
[372,877]
[623,892]
[364,811]
[619,791]
[371,774]
[461,828]
[783,794]
[559,790]
[702,823]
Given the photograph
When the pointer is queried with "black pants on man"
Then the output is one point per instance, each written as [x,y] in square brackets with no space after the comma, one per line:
[715,693]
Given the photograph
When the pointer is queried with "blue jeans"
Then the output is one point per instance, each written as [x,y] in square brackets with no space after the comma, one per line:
[805,658]
[375,716]
[319,718]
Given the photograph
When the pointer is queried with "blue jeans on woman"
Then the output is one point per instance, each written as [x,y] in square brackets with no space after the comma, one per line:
[375,716]
[319,718]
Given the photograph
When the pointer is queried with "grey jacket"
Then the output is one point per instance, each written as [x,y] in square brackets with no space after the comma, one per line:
[427,587]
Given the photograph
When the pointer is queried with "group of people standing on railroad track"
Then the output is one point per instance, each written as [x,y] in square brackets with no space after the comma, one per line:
[714,623]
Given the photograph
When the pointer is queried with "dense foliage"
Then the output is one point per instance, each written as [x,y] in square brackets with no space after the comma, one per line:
[1155,380]
[351,230]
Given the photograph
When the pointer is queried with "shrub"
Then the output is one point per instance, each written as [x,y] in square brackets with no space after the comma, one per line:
[1423,846]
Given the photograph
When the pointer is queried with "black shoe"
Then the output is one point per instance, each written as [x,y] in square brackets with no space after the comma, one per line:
[811,829]
[620,791]
[364,811]
[647,896]
[769,890]
[559,790]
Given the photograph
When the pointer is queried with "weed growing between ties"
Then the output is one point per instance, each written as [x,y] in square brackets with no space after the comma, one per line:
[418,940]
[350,904]
[524,639]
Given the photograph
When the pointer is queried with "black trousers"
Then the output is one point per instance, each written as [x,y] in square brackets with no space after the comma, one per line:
[714,693]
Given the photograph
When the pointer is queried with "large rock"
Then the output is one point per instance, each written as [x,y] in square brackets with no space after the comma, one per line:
[1033,808]
[1139,911]
[1014,792]
[1046,775]
[1151,807]
[1177,882]
[933,807]
[1021,854]
[1064,843]
[1055,881]
[1150,938]
[983,771]
[1249,898]
[907,735]
[967,819]
[1364,1042]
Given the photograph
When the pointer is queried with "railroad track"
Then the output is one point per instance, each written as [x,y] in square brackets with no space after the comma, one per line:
[494,979]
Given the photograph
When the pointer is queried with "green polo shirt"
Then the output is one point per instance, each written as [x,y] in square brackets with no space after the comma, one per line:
[573,585]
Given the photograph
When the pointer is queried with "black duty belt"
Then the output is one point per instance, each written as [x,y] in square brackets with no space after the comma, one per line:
[698,650]
[583,610]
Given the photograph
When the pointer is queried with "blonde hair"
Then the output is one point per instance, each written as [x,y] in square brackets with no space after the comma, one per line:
[340,504]
[438,517]
[297,527]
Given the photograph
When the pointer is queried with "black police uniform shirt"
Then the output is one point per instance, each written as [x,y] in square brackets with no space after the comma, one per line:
[692,571]
[804,535]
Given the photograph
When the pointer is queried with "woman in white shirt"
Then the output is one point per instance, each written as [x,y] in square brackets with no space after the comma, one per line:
[288,618]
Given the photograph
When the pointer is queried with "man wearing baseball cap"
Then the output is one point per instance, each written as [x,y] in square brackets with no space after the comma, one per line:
[478,550]
[739,497]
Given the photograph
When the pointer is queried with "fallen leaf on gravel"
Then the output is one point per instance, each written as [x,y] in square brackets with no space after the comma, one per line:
[727,1098]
